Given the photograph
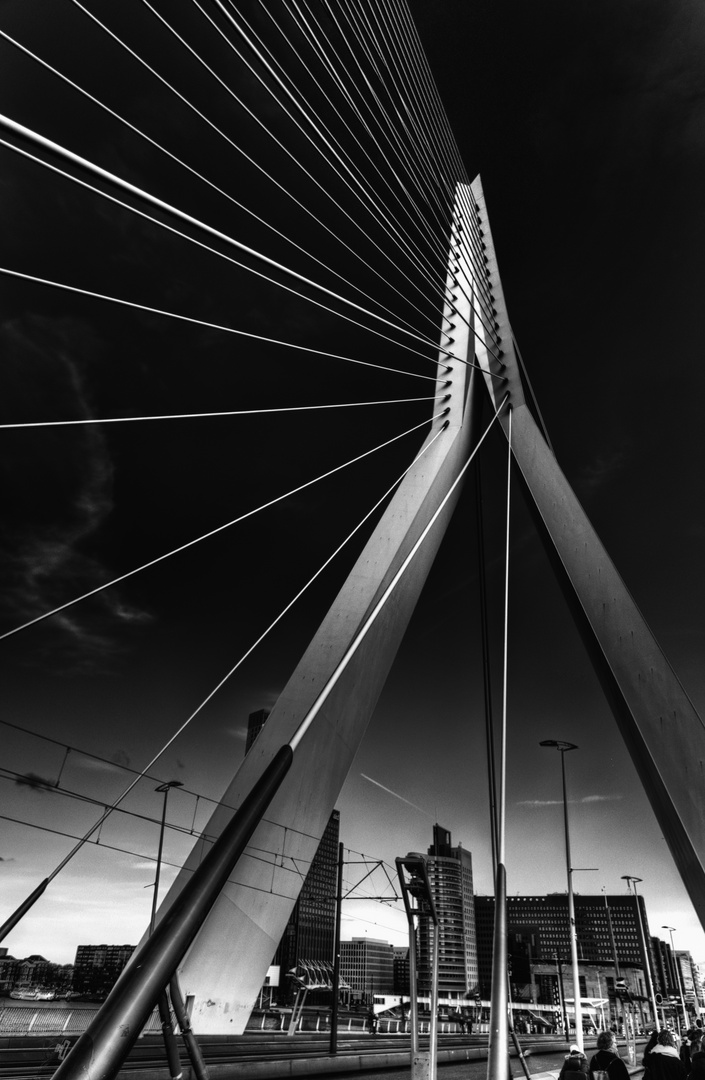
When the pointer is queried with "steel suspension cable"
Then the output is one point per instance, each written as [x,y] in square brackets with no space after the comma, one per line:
[204,179]
[373,205]
[208,415]
[75,159]
[417,150]
[214,532]
[130,787]
[295,740]
[285,191]
[432,237]
[322,187]
[213,326]
[314,36]
[477,259]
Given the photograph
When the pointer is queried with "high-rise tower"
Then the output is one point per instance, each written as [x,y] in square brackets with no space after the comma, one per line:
[450,875]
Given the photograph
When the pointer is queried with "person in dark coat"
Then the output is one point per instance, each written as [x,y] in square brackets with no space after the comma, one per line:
[575,1065]
[697,1065]
[690,1046]
[662,1061]
[607,1058]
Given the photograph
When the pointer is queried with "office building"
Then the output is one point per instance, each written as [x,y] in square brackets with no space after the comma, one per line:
[367,965]
[450,876]
[97,967]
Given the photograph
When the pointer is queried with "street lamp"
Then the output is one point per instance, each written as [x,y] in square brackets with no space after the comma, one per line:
[416,886]
[563,748]
[678,974]
[632,883]
[165,788]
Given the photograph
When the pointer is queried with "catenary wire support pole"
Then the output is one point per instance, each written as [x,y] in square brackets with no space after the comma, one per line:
[676,964]
[336,955]
[563,748]
[415,885]
[170,1046]
[632,884]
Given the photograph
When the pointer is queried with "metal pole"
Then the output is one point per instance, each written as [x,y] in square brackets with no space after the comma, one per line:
[498,1052]
[336,956]
[107,1041]
[433,1031]
[561,991]
[200,1069]
[22,910]
[413,991]
[677,965]
[644,946]
[571,916]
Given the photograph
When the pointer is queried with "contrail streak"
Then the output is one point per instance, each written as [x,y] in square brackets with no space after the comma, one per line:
[394,793]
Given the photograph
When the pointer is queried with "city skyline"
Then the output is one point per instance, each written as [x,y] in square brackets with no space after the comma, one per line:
[588,135]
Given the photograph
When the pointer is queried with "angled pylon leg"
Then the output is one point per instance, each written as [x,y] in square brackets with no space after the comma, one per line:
[225,967]
[664,734]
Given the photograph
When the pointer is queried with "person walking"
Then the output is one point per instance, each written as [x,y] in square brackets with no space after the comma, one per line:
[662,1062]
[607,1061]
[575,1065]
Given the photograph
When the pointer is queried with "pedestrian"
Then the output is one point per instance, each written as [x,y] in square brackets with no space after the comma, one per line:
[575,1063]
[662,1062]
[697,1065]
[607,1061]
[690,1046]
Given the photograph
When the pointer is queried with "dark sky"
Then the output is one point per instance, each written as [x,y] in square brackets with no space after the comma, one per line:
[587,124]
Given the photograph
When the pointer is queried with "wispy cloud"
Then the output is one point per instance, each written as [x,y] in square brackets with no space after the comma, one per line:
[559,802]
[395,794]
[60,494]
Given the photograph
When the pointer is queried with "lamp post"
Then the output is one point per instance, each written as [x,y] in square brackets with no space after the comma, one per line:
[165,788]
[678,974]
[415,885]
[632,883]
[563,748]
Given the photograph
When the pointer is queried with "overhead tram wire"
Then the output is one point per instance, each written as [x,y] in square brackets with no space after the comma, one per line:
[141,775]
[285,191]
[214,532]
[373,206]
[204,179]
[198,796]
[209,415]
[209,325]
[395,192]
[75,159]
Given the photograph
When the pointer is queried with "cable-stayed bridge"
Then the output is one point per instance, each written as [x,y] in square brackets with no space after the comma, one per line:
[243,210]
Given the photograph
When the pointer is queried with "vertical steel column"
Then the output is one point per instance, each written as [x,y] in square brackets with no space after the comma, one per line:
[336,955]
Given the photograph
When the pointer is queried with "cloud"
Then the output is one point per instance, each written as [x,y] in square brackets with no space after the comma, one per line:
[559,802]
[602,468]
[59,493]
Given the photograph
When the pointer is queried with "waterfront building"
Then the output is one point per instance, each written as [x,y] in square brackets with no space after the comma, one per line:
[97,967]
[367,966]
[450,876]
